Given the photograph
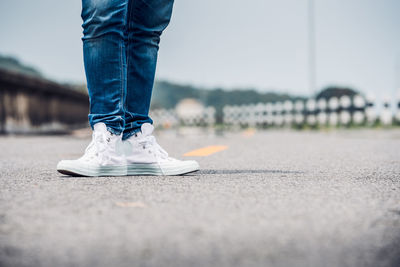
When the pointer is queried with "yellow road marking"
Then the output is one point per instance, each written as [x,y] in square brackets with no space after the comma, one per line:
[205,151]
[248,132]
[131,204]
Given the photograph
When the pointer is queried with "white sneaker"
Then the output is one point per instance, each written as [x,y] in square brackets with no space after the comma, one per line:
[145,157]
[103,157]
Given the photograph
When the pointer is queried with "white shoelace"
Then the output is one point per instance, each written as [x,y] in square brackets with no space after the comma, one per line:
[149,142]
[97,147]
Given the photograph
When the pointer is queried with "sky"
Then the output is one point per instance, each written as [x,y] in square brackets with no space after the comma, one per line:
[261,44]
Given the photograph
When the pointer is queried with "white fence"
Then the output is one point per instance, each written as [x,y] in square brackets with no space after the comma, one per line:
[342,111]
[167,118]
[332,112]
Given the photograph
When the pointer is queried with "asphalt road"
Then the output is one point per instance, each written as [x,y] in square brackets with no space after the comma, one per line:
[275,198]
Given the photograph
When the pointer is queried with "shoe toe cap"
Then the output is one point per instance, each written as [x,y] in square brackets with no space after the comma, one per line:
[65,164]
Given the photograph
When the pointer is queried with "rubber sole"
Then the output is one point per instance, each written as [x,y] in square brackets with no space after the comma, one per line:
[162,168]
[74,168]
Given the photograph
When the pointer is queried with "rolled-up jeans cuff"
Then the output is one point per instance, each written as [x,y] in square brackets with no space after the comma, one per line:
[126,135]
[114,131]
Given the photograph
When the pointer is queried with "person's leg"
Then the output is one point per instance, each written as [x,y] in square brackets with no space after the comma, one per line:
[146,21]
[104,25]
[144,156]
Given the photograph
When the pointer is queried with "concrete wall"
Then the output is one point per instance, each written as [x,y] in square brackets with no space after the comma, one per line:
[34,105]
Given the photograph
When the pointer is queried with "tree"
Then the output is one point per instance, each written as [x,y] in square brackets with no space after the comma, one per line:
[336,91]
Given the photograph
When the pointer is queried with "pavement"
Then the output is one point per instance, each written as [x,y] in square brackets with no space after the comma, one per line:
[266,198]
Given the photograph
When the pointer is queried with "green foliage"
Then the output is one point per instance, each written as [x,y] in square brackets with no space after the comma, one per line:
[12,64]
[336,91]
[167,95]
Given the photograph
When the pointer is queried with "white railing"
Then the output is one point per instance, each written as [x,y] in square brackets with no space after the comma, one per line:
[343,111]
[167,118]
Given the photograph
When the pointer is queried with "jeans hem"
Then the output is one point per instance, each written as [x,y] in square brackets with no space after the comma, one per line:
[113,131]
[126,135]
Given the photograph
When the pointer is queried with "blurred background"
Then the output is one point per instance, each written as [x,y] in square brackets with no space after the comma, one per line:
[303,64]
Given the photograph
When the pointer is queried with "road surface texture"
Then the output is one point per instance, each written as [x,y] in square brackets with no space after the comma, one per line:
[272,198]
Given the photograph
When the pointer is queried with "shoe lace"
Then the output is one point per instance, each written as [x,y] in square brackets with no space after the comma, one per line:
[149,142]
[97,147]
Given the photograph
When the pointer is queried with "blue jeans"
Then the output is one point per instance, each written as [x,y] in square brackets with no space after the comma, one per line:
[120,47]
